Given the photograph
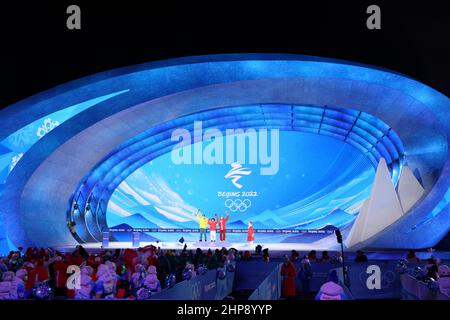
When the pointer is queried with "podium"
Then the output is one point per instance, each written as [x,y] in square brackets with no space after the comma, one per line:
[136,239]
[105,239]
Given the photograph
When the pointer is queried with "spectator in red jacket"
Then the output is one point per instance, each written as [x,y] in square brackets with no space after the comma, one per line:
[288,273]
[37,274]
[60,273]
[129,257]
[223,227]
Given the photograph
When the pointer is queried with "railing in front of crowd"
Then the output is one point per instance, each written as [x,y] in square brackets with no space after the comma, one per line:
[413,289]
[213,285]
[270,287]
[376,279]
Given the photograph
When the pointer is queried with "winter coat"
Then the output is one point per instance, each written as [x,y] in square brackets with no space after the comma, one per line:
[8,286]
[330,291]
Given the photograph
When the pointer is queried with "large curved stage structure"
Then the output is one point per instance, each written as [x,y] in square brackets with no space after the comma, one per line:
[65,151]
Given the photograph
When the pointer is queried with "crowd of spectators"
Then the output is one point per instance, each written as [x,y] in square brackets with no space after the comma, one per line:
[124,273]
[108,274]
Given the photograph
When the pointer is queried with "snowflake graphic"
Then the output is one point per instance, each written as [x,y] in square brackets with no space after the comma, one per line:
[46,127]
[14,161]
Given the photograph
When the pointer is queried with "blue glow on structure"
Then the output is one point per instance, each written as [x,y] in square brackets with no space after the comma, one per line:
[13,147]
[137,151]
[418,115]
[20,141]
[305,193]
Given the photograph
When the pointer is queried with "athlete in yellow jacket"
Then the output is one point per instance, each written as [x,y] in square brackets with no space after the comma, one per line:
[203,222]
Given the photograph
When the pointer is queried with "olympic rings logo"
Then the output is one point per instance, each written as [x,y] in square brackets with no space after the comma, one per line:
[238,205]
[385,279]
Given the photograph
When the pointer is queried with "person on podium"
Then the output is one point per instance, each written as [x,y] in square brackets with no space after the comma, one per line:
[203,222]
[223,226]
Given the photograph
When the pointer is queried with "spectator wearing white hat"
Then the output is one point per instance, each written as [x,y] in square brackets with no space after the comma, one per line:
[444,279]
[138,277]
[305,274]
[331,290]
[86,284]
[8,286]
[104,286]
[21,277]
[151,280]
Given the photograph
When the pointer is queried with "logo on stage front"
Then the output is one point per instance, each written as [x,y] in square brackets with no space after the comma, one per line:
[236,172]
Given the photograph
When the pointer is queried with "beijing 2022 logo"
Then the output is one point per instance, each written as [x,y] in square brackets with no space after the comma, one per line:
[235,147]
[236,172]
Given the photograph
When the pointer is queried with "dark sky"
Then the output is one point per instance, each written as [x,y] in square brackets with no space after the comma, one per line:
[37,51]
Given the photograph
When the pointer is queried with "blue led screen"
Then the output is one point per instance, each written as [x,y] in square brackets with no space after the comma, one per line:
[315,188]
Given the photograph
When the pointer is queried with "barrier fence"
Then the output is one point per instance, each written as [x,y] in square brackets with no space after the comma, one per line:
[270,288]
[201,287]
[413,289]
[372,280]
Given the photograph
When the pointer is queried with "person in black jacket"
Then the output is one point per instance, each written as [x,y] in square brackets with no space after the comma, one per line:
[360,256]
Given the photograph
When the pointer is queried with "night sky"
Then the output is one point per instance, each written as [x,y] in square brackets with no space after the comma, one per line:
[39,52]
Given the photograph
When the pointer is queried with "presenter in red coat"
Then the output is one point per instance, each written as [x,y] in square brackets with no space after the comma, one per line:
[288,273]
[223,227]
[250,233]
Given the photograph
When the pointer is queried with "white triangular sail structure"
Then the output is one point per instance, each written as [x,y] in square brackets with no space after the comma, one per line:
[380,211]
[409,190]
[358,226]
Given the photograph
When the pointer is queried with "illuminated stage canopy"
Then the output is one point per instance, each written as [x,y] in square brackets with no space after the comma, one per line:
[87,136]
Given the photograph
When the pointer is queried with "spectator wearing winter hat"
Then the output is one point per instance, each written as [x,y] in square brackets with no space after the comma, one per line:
[151,280]
[87,285]
[325,257]
[104,286]
[331,290]
[138,277]
[112,269]
[305,274]
[412,257]
[3,266]
[8,286]
[36,275]
[312,256]
[21,277]
[60,276]
[444,279]
[360,256]
[432,272]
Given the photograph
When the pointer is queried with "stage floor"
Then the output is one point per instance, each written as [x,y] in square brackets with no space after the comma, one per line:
[275,249]
[241,246]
